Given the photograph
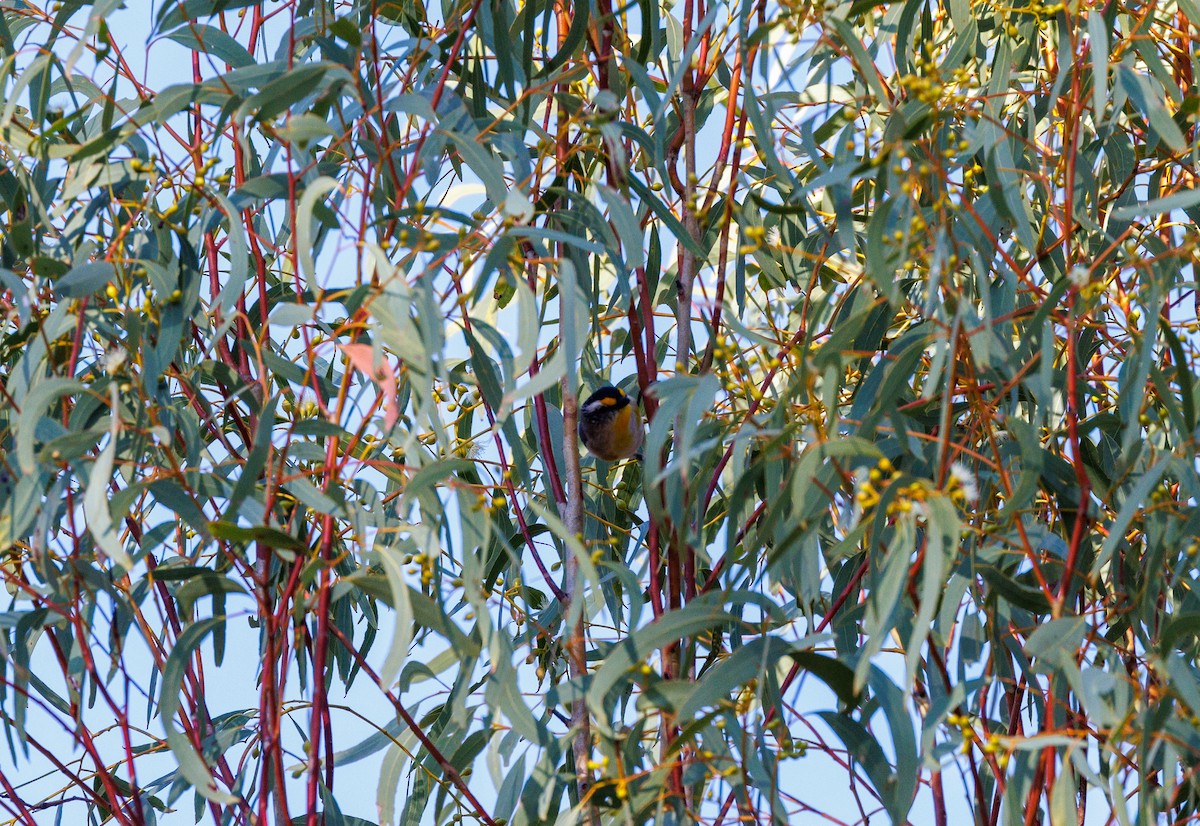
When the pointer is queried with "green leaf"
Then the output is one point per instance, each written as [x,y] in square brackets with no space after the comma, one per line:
[1149,101]
[281,93]
[212,41]
[304,217]
[95,498]
[34,405]
[402,605]
[206,584]
[271,537]
[702,614]
[628,229]
[1098,43]
[426,612]
[1176,201]
[191,765]
[85,279]
[172,14]
[757,658]
[570,44]
[1133,502]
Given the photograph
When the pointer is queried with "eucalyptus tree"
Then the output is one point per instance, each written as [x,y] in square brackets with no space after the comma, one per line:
[298,303]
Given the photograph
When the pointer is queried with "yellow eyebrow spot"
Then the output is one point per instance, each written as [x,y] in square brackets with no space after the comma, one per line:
[608,402]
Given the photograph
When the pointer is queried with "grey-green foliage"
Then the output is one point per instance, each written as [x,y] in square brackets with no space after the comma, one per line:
[288,334]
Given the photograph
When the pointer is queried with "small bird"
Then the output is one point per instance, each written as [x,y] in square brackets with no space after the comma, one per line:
[610,425]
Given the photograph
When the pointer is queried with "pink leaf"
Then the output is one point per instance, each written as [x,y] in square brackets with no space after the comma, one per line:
[362,358]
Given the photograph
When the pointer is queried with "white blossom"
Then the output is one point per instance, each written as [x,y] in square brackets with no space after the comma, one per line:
[518,207]
[962,478]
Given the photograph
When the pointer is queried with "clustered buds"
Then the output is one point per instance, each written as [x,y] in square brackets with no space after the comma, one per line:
[961,486]
[991,744]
